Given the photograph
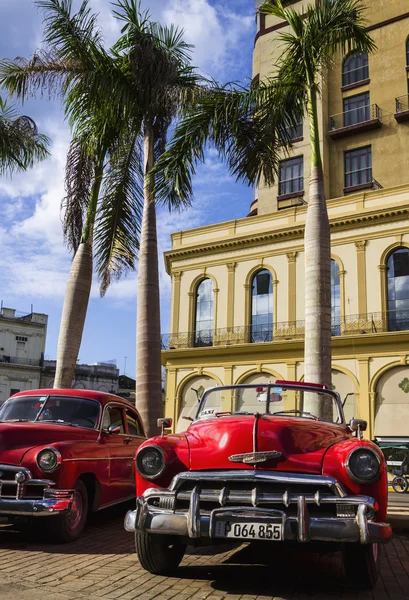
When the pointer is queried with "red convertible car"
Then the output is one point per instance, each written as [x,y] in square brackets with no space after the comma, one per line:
[65,453]
[250,467]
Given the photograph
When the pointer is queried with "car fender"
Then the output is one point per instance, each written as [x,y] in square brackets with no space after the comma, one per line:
[335,465]
[175,448]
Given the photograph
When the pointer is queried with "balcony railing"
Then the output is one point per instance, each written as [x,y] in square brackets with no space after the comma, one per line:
[375,322]
[18,360]
[356,120]
[402,108]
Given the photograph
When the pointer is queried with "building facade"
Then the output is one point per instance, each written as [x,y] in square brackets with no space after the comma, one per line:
[22,344]
[102,377]
[237,306]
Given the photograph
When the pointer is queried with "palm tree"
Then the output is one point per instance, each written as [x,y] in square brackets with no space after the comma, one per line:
[308,47]
[21,145]
[312,40]
[157,61]
[103,204]
[120,104]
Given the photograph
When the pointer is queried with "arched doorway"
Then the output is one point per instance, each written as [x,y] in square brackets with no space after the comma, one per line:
[345,387]
[191,393]
[392,403]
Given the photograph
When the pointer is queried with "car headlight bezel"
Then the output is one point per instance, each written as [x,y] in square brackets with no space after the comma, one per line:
[139,464]
[57,459]
[354,476]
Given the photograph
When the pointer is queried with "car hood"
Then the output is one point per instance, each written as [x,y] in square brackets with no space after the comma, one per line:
[17,438]
[301,442]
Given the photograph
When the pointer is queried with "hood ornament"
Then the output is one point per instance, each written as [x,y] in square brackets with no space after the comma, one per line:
[254,458]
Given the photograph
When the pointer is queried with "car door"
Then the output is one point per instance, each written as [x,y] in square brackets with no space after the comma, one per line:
[121,470]
[135,433]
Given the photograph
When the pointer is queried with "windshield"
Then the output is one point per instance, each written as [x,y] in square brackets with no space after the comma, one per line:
[292,401]
[68,410]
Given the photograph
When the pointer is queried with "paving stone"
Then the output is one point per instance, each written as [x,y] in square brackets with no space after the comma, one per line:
[103,565]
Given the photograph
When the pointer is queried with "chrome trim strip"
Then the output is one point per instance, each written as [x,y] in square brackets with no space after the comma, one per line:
[98,458]
[255,476]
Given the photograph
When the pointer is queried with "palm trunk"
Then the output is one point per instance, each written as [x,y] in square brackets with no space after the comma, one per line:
[317,353]
[77,295]
[148,342]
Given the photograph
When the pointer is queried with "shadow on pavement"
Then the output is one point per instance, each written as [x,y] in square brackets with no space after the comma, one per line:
[280,571]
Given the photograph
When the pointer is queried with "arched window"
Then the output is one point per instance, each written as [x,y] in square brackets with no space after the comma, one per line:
[407,52]
[335,299]
[398,289]
[204,313]
[262,307]
[355,68]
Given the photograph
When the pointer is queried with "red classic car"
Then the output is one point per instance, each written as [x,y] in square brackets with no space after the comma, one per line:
[250,467]
[64,453]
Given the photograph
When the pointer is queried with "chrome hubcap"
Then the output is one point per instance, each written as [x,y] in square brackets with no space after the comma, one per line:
[75,514]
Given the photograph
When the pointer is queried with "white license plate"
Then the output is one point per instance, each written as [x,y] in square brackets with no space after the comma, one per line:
[249,531]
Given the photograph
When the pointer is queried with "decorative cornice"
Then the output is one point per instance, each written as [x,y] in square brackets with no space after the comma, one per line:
[343,223]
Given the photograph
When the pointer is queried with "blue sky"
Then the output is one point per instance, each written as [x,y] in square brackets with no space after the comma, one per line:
[34,263]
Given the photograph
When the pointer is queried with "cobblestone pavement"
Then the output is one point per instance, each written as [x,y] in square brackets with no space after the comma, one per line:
[103,564]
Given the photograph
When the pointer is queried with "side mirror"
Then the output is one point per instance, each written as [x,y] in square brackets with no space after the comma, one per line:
[164,423]
[114,429]
[358,425]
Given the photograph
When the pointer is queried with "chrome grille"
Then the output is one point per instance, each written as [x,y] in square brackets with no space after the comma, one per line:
[16,483]
[262,495]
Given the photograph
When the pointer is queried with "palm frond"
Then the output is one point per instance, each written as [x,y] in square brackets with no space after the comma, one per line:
[120,211]
[21,145]
[248,127]
[79,174]
[71,35]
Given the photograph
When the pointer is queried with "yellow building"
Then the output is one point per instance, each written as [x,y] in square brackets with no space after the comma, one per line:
[238,287]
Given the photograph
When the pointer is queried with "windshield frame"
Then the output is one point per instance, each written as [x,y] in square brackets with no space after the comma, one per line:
[290,386]
[48,396]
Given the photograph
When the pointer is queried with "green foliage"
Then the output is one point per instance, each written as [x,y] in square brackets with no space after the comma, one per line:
[21,145]
[110,97]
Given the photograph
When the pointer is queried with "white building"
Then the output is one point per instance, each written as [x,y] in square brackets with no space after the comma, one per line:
[99,376]
[22,344]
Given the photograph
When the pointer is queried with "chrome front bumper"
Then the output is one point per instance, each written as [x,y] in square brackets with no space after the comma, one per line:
[302,527]
[17,501]
[35,508]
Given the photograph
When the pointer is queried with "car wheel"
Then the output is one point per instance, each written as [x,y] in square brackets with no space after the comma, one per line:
[361,564]
[69,526]
[159,554]
[400,484]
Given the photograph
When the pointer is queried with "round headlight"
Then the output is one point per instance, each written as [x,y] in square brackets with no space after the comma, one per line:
[150,462]
[48,459]
[363,465]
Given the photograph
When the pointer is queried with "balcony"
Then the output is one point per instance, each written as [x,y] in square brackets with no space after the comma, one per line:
[18,360]
[375,322]
[402,108]
[357,120]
